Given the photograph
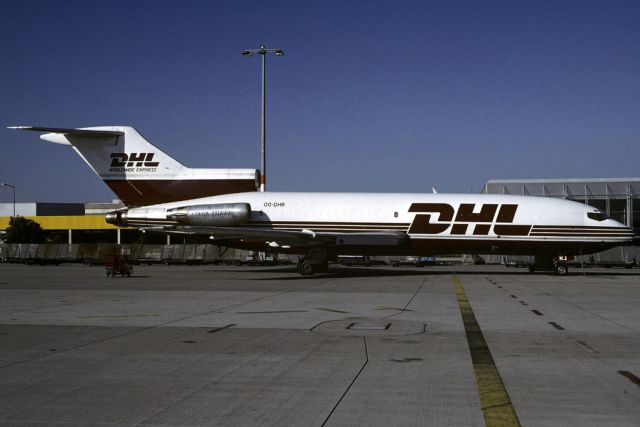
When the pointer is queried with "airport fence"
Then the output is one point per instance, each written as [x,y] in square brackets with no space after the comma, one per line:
[95,253]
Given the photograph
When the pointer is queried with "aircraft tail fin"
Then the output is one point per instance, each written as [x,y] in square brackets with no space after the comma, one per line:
[138,172]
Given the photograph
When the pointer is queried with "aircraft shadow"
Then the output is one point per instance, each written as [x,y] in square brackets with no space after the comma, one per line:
[364,272]
[355,272]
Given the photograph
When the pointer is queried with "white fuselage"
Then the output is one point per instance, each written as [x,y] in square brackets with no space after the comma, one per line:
[434,223]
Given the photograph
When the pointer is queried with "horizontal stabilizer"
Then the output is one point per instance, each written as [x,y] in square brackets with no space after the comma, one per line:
[68,131]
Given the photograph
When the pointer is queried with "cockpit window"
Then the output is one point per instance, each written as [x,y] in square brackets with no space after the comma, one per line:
[597,216]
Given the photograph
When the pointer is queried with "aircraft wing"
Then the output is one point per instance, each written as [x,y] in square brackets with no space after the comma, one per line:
[304,237]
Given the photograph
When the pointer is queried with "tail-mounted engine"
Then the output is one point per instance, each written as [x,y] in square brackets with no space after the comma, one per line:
[218,215]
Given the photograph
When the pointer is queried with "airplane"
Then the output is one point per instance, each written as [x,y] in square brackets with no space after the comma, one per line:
[321,226]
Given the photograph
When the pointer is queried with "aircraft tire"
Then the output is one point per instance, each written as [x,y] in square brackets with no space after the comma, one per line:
[305,268]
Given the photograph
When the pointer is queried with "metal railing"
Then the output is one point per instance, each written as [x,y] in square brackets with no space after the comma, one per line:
[95,253]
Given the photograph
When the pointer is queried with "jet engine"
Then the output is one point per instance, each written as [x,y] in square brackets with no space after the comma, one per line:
[118,218]
[218,215]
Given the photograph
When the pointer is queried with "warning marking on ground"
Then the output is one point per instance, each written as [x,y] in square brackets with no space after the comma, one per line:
[495,401]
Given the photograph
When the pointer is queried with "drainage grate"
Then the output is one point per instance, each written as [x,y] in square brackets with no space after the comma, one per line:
[369,326]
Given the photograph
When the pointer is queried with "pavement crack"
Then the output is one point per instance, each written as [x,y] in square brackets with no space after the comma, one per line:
[366,361]
[222,309]
[405,308]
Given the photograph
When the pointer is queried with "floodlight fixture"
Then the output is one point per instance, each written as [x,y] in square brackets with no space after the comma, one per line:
[263,51]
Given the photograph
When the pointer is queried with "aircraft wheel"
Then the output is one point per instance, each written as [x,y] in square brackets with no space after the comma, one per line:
[561,270]
[305,268]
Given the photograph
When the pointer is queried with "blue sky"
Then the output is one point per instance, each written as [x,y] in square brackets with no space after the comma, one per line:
[389,96]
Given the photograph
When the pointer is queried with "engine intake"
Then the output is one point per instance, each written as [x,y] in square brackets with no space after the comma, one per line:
[118,218]
[218,215]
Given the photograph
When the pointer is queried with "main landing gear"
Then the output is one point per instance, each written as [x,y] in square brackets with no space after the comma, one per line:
[316,261]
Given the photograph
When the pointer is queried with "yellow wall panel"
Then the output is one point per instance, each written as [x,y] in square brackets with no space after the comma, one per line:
[91,222]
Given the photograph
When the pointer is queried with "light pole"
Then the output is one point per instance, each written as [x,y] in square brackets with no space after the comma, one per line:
[4,184]
[262,51]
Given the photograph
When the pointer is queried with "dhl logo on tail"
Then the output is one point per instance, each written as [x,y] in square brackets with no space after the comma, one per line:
[122,160]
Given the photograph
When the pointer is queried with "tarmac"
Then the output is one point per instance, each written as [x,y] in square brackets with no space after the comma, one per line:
[378,346]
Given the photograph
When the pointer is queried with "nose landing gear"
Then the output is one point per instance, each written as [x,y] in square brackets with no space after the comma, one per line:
[556,265]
